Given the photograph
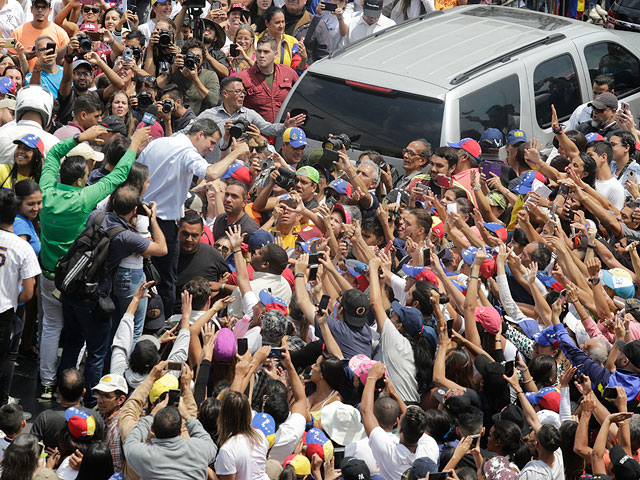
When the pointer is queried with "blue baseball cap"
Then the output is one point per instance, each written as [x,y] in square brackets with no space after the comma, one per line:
[492,137]
[546,337]
[258,239]
[516,136]
[31,141]
[341,186]
[411,318]
[7,85]
[295,137]
[273,303]
[526,184]
[528,325]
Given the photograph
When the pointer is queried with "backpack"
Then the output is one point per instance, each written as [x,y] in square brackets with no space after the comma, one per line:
[79,272]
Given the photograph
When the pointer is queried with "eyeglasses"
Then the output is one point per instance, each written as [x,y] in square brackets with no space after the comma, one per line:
[223,248]
[258,148]
[90,9]
[83,73]
[597,110]
[238,92]
[411,153]
[148,79]
[41,7]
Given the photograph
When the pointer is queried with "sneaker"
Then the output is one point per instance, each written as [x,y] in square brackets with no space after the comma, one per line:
[47,392]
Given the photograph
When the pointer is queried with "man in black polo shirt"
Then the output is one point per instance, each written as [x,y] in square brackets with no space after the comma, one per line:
[235,199]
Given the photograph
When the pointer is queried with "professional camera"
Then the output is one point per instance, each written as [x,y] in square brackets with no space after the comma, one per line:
[165,38]
[287,178]
[140,210]
[192,60]
[336,142]
[85,43]
[238,128]
[266,164]
[144,100]
[137,51]
[167,106]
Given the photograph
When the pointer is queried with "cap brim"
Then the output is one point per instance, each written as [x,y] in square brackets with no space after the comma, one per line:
[372,13]
[105,388]
[356,322]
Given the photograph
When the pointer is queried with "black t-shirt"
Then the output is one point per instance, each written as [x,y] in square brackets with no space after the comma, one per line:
[247,225]
[65,114]
[48,424]
[205,262]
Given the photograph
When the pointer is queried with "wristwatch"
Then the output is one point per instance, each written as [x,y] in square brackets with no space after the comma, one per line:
[76,138]
[594,281]
[301,275]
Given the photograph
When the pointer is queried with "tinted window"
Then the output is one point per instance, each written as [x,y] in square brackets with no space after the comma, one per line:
[614,60]
[382,121]
[555,83]
[496,105]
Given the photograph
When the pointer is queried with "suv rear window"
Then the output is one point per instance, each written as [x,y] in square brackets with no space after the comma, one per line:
[555,82]
[496,105]
[385,121]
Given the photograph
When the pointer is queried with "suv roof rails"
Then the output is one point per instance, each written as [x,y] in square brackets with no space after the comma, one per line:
[463,77]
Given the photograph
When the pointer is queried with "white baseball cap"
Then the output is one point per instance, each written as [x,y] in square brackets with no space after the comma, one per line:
[111,383]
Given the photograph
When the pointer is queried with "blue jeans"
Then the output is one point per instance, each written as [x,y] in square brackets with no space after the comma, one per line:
[125,283]
[80,326]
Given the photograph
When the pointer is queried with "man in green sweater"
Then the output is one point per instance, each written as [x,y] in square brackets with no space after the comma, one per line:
[66,205]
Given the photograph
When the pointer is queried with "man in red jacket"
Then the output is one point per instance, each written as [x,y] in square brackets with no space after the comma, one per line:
[267,83]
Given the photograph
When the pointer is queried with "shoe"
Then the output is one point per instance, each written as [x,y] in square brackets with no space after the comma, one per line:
[47,392]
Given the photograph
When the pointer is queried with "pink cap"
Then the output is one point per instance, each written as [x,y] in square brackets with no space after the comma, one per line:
[89,27]
[360,365]
[224,350]
[156,129]
[489,318]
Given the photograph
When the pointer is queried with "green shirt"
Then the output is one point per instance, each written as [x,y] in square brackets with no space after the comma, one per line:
[65,208]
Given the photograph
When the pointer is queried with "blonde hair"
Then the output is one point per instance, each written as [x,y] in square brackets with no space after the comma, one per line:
[241,65]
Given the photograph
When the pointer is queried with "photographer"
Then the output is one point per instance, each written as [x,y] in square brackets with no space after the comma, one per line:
[78,78]
[161,51]
[172,113]
[135,41]
[232,112]
[45,71]
[199,87]
[160,9]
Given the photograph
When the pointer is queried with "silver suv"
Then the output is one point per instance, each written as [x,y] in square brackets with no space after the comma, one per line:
[453,74]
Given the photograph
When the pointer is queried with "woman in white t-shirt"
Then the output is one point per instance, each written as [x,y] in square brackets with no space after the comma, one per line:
[243,449]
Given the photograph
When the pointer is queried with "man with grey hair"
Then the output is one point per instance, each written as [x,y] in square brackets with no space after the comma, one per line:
[364,181]
[173,162]
[598,349]
[634,427]
[46,72]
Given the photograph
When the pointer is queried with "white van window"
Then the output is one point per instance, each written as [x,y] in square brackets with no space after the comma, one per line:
[496,105]
[555,82]
[617,61]
[374,118]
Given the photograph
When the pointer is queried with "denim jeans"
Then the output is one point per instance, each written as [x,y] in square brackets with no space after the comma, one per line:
[80,326]
[125,283]
[52,323]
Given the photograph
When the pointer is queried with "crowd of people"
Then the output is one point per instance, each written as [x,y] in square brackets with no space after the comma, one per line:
[209,297]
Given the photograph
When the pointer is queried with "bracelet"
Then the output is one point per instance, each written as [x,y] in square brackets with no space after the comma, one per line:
[520,392]
[528,381]
[372,378]
[224,285]
[238,250]
[36,71]
[472,276]
[299,275]
[591,246]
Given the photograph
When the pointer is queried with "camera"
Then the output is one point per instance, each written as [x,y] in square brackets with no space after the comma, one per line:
[266,164]
[286,179]
[164,38]
[191,61]
[238,128]
[85,43]
[140,210]
[336,142]
[137,51]
[144,100]
[167,106]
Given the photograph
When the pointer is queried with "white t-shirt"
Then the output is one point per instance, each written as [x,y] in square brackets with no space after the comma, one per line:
[397,354]
[393,457]
[17,262]
[612,190]
[358,28]
[288,435]
[539,470]
[65,472]
[239,455]
[11,17]
[362,451]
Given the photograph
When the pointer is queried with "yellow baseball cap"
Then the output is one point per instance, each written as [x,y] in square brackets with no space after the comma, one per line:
[162,385]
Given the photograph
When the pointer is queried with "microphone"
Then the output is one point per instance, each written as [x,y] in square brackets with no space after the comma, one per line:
[150,114]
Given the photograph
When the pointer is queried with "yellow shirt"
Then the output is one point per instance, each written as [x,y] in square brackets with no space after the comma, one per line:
[288,241]
[5,177]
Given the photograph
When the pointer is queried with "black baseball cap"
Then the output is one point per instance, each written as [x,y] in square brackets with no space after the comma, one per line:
[115,124]
[513,413]
[353,468]
[624,466]
[491,371]
[631,351]
[372,8]
[356,307]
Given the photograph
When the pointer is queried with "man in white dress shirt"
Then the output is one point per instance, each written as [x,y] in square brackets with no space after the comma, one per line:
[368,22]
[172,162]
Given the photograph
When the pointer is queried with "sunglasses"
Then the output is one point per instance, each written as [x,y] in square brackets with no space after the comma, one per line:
[223,248]
[148,79]
[257,148]
[90,9]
